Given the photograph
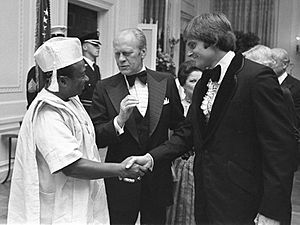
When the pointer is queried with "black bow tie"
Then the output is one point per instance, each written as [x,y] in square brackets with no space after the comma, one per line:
[141,75]
[214,73]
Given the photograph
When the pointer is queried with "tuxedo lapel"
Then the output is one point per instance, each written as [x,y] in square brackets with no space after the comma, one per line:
[198,95]
[225,93]
[157,92]
[288,83]
[117,90]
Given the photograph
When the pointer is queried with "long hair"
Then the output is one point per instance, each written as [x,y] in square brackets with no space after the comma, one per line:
[214,29]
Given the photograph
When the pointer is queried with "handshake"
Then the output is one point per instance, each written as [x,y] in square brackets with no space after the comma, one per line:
[134,167]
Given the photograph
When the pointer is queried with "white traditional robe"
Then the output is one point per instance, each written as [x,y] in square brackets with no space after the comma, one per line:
[54,134]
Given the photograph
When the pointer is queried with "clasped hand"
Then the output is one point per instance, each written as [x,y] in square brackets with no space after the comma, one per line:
[136,167]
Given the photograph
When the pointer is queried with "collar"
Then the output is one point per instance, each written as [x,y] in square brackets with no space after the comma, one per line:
[143,68]
[224,63]
[89,62]
[282,77]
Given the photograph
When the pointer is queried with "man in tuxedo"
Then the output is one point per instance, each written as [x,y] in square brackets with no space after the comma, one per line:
[90,50]
[242,136]
[132,112]
[290,83]
[282,61]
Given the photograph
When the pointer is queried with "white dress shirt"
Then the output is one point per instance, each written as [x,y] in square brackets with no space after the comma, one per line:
[140,90]
[89,62]
[282,77]
[213,87]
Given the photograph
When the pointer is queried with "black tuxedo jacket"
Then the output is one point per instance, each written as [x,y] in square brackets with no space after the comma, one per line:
[293,85]
[106,106]
[87,94]
[244,161]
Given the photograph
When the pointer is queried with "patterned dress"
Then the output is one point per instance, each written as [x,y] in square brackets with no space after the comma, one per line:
[182,210]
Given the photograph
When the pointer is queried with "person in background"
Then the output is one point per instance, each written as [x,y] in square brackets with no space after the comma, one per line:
[90,49]
[237,122]
[182,210]
[278,60]
[57,165]
[261,54]
[31,80]
[292,84]
[132,112]
[188,76]
[282,62]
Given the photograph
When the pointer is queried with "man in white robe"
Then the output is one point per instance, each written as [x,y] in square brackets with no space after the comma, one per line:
[57,165]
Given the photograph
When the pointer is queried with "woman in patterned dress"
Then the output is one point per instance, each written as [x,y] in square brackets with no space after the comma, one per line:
[182,210]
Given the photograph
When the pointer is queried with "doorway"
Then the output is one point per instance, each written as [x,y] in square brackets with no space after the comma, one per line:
[81,21]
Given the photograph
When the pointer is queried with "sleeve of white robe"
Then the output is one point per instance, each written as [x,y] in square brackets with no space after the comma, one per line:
[55,139]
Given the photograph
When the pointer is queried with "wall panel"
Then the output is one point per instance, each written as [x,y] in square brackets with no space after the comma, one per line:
[16,49]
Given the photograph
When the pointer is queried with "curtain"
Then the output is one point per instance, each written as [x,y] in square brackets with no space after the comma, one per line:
[256,16]
[154,12]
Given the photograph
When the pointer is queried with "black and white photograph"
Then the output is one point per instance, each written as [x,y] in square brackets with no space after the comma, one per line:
[150,112]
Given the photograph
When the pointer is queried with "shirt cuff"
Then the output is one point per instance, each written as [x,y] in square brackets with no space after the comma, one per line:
[152,161]
[119,130]
[262,220]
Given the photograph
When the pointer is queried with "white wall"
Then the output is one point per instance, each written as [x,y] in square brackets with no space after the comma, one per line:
[288,29]
[17,43]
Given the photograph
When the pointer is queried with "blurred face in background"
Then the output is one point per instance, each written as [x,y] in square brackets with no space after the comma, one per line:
[190,83]
[129,57]
[279,67]
[91,50]
[282,61]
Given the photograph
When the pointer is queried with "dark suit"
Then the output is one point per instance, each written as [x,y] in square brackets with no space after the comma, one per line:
[32,88]
[87,94]
[244,159]
[293,86]
[290,106]
[31,93]
[155,189]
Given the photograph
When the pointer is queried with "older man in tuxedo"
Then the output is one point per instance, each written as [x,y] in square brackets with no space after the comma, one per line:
[288,82]
[132,112]
[282,61]
[238,124]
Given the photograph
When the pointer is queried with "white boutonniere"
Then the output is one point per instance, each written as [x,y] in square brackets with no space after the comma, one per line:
[166,101]
[209,98]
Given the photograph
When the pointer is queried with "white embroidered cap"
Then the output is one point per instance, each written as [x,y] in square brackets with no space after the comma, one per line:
[57,53]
